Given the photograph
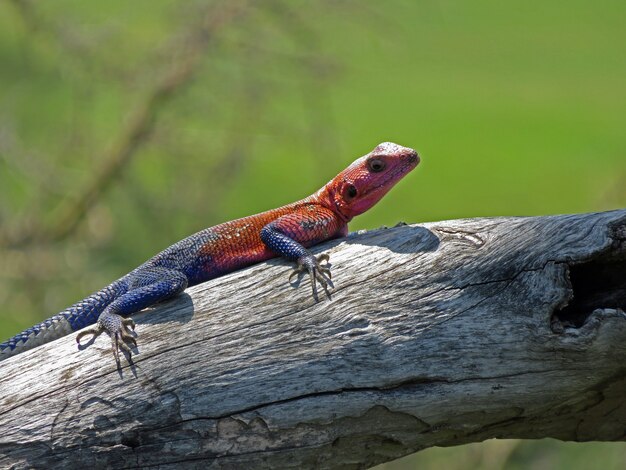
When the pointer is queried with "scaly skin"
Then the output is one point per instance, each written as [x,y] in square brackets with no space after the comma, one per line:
[287,231]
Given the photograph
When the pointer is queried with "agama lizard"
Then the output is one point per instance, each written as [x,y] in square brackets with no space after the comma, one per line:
[287,231]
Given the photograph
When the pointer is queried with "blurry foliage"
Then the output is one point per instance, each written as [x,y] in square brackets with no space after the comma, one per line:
[547,454]
[127,126]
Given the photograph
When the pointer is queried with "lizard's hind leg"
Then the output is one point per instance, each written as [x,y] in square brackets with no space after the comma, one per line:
[147,287]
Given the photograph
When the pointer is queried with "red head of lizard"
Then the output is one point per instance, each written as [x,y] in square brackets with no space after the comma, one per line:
[368,179]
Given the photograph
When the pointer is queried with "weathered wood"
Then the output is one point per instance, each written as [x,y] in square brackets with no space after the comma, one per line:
[439,334]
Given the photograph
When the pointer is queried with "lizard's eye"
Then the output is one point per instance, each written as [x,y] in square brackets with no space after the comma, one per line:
[350,192]
[376,165]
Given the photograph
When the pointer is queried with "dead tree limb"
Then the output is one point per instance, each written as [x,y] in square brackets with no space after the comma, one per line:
[437,334]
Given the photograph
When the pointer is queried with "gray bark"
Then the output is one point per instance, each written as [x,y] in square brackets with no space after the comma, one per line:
[436,334]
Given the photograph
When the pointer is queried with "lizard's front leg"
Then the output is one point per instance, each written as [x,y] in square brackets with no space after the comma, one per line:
[288,235]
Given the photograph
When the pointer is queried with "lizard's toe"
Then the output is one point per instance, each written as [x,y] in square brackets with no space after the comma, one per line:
[95,331]
[119,330]
[119,343]
[317,271]
[296,272]
[128,322]
[127,337]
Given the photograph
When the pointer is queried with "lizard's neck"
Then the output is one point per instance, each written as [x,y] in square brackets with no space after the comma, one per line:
[327,197]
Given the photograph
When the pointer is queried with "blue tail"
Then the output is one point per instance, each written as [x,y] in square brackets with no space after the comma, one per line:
[73,318]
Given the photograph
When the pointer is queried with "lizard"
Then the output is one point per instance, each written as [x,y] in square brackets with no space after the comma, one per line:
[287,231]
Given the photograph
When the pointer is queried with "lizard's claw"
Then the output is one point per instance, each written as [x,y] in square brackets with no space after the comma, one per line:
[317,271]
[117,327]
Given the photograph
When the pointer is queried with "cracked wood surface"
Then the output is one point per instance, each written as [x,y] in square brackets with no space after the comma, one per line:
[437,334]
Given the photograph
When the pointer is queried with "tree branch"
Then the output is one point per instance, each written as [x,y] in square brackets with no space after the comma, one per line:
[137,129]
[440,334]
[141,123]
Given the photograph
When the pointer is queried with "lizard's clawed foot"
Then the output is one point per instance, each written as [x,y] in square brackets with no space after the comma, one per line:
[119,330]
[317,271]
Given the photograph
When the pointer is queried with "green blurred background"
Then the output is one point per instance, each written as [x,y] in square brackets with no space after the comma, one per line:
[125,126]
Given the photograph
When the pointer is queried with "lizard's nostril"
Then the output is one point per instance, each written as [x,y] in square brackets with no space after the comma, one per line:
[413,157]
